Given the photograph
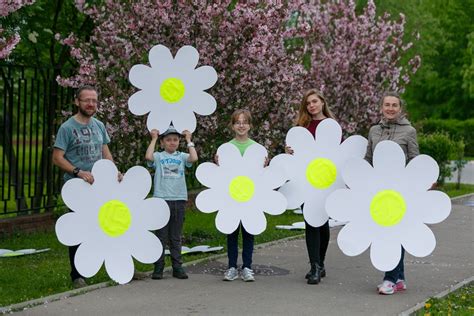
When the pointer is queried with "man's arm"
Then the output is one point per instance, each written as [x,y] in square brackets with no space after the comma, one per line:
[66,166]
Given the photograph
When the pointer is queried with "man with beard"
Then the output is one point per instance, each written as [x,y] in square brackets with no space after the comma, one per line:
[80,142]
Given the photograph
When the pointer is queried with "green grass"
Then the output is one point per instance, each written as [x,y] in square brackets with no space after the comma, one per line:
[450,189]
[34,276]
[459,302]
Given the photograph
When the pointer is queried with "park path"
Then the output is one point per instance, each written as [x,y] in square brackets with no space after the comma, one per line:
[280,288]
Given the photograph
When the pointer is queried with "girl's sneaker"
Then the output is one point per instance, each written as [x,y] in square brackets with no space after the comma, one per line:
[247,275]
[387,288]
[401,285]
[231,274]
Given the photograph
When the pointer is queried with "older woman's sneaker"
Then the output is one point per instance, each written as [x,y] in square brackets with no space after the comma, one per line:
[231,274]
[387,288]
[401,285]
[247,275]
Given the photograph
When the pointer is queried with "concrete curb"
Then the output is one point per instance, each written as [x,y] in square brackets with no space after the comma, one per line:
[439,295]
[56,297]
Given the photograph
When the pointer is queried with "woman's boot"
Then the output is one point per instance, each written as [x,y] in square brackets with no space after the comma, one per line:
[315,274]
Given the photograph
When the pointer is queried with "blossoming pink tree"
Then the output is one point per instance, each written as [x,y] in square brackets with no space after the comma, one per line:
[249,45]
[9,38]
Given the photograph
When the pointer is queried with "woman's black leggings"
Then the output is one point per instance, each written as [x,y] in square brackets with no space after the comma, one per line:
[317,241]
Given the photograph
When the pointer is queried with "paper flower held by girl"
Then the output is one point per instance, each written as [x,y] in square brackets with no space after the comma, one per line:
[241,189]
[314,167]
[112,221]
[388,206]
[172,89]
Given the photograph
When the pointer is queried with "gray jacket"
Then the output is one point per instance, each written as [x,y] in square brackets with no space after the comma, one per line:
[400,131]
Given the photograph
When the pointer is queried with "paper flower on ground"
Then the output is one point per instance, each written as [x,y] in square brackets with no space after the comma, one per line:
[172,89]
[388,206]
[240,189]
[112,221]
[314,167]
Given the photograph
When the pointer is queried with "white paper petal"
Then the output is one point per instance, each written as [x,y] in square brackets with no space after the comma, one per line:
[328,133]
[207,174]
[353,240]
[293,191]
[418,239]
[342,205]
[119,266]
[206,201]
[255,224]
[431,207]
[274,177]
[203,103]
[73,193]
[136,183]
[185,121]
[421,172]
[69,229]
[227,220]
[273,202]
[88,259]
[229,156]
[313,209]
[385,254]
[357,172]
[141,76]
[139,103]
[389,157]
[300,140]
[186,58]
[354,146]
[204,77]
[105,177]
[152,214]
[256,155]
[160,57]
[284,162]
[158,120]
[148,248]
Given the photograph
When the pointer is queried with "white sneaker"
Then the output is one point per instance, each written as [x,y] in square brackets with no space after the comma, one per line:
[247,275]
[231,274]
[387,288]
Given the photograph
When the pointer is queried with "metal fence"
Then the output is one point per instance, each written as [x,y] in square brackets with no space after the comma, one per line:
[30,103]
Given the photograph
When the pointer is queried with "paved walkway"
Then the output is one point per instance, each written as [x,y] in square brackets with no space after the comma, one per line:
[280,289]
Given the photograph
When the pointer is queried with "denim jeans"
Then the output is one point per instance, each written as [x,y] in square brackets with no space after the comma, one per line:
[233,248]
[398,273]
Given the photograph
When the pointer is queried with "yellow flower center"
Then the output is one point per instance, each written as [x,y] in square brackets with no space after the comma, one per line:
[387,208]
[172,90]
[241,188]
[114,218]
[321,173]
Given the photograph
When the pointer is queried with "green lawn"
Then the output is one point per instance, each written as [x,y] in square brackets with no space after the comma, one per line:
[459,302]
[450,189]
[34,276]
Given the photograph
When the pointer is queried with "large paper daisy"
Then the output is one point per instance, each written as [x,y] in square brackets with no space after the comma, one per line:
[388,206]
[314,167]
[172,89]
[241,189]
[112,221]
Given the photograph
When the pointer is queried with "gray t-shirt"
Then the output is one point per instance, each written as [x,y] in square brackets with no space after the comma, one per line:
[169,182]
[82,143]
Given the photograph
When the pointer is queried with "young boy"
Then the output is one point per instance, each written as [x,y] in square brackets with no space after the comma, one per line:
[170,185]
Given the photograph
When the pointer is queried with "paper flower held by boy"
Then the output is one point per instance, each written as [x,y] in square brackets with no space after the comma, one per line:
[388,206]
[172,89]
[314,167]
[112,221]
[241,189]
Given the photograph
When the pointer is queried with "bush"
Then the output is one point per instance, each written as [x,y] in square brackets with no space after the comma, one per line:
[458,130]
[443,149]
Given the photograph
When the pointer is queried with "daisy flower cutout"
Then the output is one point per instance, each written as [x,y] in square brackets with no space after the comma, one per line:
[241,189]
[172,89]
[388,206]
[112,221]
[314,167]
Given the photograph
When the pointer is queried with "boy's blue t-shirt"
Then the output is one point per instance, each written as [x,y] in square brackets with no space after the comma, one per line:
[169,181]
[82,143]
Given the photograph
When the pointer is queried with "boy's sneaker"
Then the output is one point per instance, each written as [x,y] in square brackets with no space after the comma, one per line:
[231,274]
[179,273]
[79,283]
[401,285]
[387,288]
[247,275]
